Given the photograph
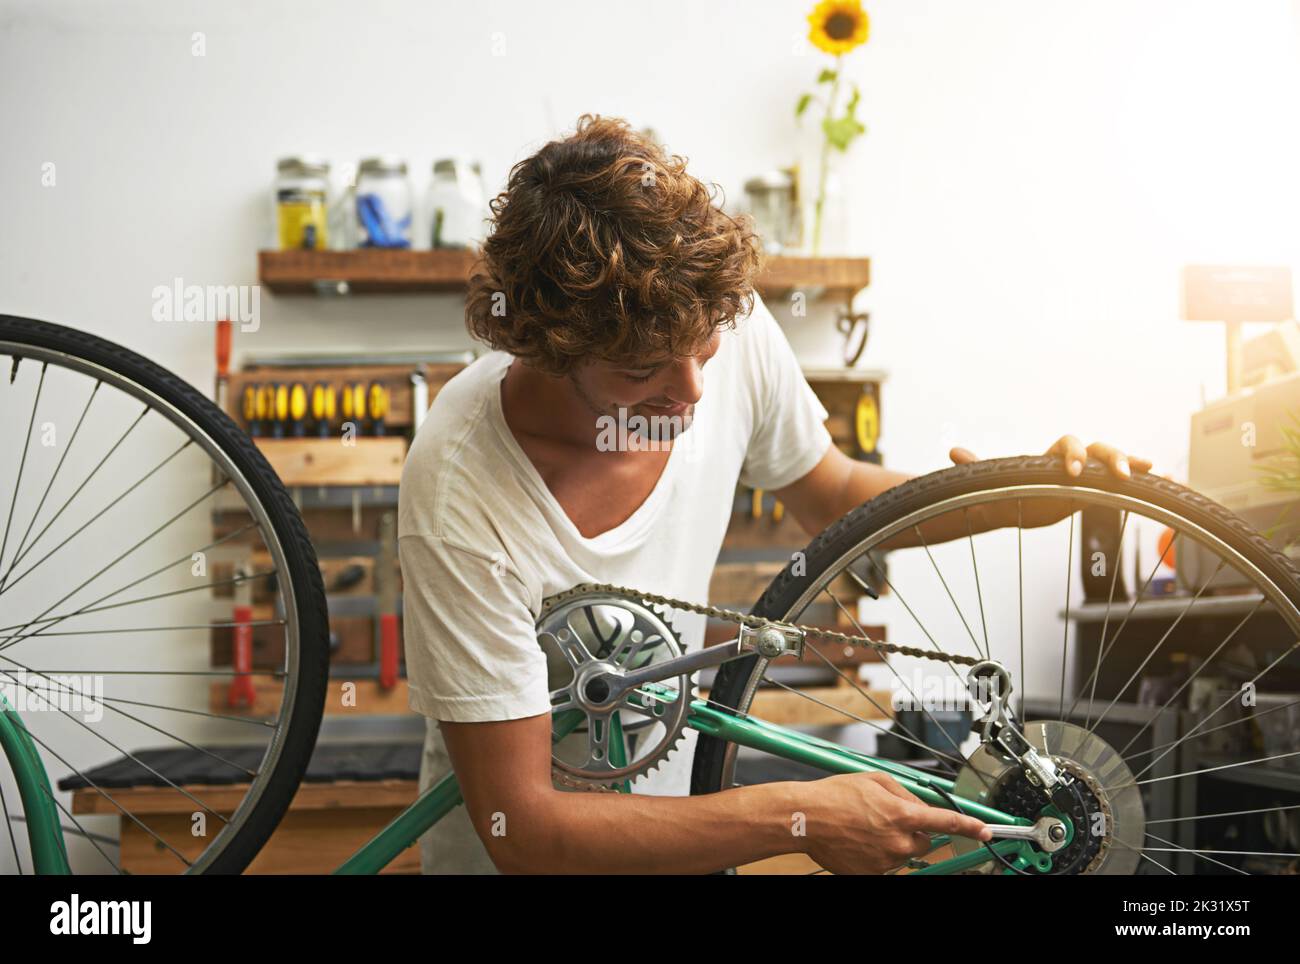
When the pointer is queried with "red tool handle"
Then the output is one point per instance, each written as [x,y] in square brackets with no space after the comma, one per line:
[223,348]
[241,687]
[388,645]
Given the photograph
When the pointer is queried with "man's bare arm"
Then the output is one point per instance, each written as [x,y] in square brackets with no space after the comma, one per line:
[836,485]
[839,484]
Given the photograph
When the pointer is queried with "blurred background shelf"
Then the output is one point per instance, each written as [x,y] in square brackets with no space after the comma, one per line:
[364,271]
[400,271]
[334,461]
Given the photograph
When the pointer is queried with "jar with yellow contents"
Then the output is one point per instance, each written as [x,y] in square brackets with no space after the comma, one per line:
[302,202]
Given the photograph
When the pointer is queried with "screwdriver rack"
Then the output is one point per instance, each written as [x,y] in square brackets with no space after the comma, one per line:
[342,469]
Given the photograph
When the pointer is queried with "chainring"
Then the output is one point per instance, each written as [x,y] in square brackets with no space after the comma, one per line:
[586,636]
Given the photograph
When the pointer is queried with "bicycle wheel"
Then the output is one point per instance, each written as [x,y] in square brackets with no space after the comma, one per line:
[163,632]
[1178,711]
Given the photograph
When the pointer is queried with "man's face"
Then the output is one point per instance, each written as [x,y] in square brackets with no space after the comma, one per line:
[663,391]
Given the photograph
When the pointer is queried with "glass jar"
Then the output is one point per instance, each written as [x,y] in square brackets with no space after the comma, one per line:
[384,203]
[302,202]
[456,204]
[772,204]
[343,209]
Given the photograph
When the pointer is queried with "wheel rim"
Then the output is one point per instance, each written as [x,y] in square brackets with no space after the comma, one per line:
[1272,598]
[286,607]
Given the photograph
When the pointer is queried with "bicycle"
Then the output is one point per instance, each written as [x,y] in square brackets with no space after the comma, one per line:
[1064,799]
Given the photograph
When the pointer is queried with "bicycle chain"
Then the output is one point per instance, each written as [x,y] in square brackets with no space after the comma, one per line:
[731,616]
[756,622]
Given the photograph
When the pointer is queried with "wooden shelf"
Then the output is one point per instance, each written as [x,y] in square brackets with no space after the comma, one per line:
[326,823]
[364,271]
[379,271]
[331,461]
[842,276]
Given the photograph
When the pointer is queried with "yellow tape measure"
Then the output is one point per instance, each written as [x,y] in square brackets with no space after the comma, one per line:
[867,422]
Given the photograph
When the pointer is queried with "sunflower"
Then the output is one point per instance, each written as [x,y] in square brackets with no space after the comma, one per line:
[838,26]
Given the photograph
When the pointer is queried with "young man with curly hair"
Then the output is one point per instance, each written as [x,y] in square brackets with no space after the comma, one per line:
[612,291]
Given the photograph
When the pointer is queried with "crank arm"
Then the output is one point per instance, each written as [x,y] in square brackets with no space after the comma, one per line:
[684,665]
[770,641]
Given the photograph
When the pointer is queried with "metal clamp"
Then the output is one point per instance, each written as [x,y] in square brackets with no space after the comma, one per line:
[772,640]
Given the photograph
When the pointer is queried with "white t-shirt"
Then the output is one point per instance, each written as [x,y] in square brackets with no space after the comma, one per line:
[483,541]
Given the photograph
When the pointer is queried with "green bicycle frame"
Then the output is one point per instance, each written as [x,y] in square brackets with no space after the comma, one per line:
[44,831]
[440,799]
[50,856]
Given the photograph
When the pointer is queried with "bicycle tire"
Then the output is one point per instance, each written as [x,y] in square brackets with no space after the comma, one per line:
[733,687]
[308,589]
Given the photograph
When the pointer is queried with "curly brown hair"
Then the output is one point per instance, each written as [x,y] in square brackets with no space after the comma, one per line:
[602,246]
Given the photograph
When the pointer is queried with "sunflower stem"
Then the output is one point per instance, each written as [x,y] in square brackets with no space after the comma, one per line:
[820,204]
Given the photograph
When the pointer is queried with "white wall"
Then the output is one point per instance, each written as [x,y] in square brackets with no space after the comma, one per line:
[1035,173]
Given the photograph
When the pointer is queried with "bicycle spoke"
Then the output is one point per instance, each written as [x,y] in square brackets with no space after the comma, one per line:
[1196,773]
[960,615]
[1020,594]
[1214,729]
[979,596]
[1188,682]
[1211,716]
[22,464]
[145,723]
[1105,646]
[216,584]
[96,517]
[957,760]
[13,841]
[1116,565]
[185,558]
[109,797]
[91,838]
[148,629]
[1065,638]
[127,753]
[880,570]
[1174,848]
[860,719]
[223,673]
[1157,863]
[1154,649]
[1230,813]
[122,438]
[950,766]
[18,552]
[89,835]
[103,569]
[1241,853]
[163,706]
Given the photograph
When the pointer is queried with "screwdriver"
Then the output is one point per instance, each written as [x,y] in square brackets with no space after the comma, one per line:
[298,409]
[377,407]
[265,407]
[322,407]
[249,408]
[353,405]
[279,410]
